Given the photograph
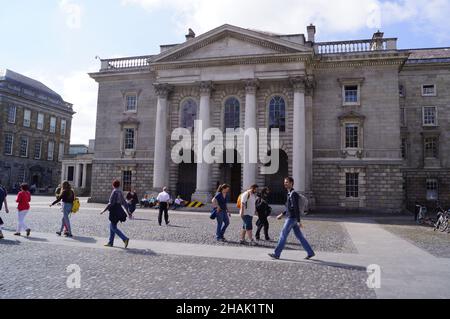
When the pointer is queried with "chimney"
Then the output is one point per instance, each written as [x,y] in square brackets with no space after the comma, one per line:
[311,33]
[190,35]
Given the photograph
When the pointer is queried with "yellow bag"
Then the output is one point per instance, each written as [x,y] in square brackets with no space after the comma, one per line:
[239,200]
[75,206]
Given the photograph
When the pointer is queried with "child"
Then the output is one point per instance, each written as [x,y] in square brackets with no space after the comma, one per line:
[3,195]
[23,207]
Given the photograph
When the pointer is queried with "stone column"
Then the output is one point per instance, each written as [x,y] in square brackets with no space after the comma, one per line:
[203,191]
[83,181]
[160,161]
[77,175]
[63,172]
[299,135]
[251,86]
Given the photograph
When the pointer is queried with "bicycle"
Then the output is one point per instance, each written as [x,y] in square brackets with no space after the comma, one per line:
[443,221]
[422,219]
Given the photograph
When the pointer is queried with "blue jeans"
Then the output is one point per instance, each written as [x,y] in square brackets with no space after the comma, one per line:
[291,224]
[223,221]
[115,231]
[67,210]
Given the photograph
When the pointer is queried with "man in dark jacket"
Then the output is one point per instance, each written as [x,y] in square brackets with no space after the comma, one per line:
[263,210]
[293,212]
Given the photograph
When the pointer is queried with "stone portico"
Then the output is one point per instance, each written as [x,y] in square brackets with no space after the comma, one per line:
[336,105]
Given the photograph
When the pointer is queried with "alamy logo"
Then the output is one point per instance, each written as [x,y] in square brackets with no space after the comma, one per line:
[211,144]
[74,279]
[374,279]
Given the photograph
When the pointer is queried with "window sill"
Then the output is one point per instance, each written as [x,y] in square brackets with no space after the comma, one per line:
[351,104]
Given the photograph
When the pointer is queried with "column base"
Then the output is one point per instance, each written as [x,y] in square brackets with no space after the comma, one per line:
[201,196]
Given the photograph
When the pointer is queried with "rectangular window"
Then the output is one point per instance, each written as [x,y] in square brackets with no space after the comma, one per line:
[131,102]
[403,116]
[351,94]
[129,139]
[27,118]
[431,147]
[53,125]
[404,148]
[432,189]
[12,114]
[24,146]
[352,185]
[63,127]
[351,136]
[40,121]
[9,142]
[21,175]
[61,151]
[126,180]
[51,150]
[37,150]
[70,173]
[430,116]
[429,90]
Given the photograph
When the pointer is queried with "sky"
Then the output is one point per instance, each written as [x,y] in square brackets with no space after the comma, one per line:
[56,41]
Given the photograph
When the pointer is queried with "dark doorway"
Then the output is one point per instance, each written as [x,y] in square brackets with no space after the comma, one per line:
[231,174]
[35,180]
[187,179]
[276,181]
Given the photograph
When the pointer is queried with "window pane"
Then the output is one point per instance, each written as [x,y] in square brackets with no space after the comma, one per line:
[63,127]
[352,185]
[53,125]
[404,147]
[9,144]
[24,147]
[429,90]
[351,136]
[40,122]
[131,102]
[12,114]
[27,118]
[126,180]
[129,139]
[51,149]
[277,113]
[351,93]
[431,147]
[429,116]
[232,113]
[61,151]
[37,150]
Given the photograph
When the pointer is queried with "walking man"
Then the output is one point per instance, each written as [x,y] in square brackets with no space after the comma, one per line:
[294,206]
[163,199]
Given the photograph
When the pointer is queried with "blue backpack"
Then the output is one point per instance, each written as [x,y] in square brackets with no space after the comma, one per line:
[2,196]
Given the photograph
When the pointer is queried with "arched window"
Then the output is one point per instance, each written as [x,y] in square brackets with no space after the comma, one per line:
[188,114]
[277,113]
[232,113]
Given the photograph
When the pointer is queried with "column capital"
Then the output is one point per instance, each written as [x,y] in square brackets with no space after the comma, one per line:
[206,88]
[162,90]
[251,86]
[303,84]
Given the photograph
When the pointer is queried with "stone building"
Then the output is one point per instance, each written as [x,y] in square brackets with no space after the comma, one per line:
[355,117]
[77,167]
[35,125]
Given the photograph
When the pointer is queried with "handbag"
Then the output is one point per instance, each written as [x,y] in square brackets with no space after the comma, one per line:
[117,214]
[213,214]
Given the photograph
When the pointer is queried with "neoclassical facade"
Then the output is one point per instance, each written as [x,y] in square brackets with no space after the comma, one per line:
[336,105]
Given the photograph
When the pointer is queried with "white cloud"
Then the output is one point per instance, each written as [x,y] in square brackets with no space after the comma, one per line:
[291,16]
[72,13]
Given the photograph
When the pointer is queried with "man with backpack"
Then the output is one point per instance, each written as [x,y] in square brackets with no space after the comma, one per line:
[3,194]
[295,204]
[247,209]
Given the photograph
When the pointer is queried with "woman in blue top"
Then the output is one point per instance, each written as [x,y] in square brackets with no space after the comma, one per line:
[223,216]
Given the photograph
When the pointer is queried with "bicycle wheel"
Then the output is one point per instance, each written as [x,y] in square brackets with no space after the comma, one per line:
[444,225]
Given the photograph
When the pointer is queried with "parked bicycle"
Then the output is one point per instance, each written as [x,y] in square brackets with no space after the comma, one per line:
[442,223]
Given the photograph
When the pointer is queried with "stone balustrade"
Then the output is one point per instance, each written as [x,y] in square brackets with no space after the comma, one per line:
[355,46]
[126,63]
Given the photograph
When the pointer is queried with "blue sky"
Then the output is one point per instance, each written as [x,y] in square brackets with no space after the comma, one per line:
[56,41]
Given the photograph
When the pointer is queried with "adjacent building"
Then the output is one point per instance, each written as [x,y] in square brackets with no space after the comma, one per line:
[77,167]
[35,125]
[363,125]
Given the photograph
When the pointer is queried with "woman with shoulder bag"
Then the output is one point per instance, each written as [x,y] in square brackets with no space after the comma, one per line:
[116,214]
[222,215]
[67,196]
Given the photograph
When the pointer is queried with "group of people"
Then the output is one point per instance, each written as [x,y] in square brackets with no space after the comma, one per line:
[252,204]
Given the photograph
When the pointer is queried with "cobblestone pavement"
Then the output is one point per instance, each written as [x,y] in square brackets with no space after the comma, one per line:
[184,261]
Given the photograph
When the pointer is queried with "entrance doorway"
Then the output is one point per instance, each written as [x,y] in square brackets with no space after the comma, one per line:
[187,179]
[231,175]
[276,181]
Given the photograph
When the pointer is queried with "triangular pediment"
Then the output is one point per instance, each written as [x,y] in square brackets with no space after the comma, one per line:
[230,41]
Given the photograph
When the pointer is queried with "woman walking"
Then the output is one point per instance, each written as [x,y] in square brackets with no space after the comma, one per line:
[116,214]
[222,216]
[67,196]
[263,210]
[23,207]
